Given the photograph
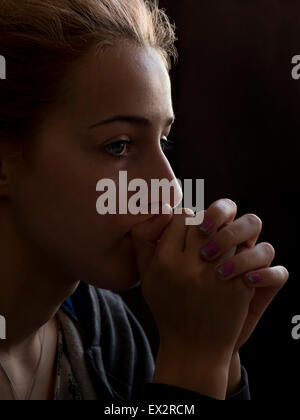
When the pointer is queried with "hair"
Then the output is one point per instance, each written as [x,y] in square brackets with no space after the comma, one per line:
[42,39]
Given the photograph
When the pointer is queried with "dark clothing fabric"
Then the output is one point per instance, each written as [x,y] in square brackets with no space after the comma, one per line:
[117,352]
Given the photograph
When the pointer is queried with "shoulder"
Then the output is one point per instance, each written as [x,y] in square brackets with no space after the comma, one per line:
[110,325]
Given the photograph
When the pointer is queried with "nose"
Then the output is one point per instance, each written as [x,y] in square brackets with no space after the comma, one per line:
[162,182]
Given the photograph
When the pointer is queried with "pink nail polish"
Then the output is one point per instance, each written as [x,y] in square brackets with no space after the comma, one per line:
[206,225]
[210,249]
[225,269]
[254,278]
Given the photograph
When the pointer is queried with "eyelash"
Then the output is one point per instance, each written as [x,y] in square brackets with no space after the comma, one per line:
[168,146]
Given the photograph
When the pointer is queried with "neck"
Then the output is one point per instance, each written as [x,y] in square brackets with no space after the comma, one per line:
[33,285]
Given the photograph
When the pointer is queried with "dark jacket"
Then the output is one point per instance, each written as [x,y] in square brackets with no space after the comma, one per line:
[118,353]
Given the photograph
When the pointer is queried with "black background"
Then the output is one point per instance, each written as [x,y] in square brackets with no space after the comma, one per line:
[238,117]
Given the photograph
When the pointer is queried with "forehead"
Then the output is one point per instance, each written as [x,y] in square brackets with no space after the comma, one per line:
[123,78]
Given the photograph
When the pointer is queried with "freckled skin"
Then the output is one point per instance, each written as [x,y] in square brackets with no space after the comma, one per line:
[54,190]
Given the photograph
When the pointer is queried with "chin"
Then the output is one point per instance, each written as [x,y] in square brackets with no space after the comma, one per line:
[125,289]
[116,270]
[115,281]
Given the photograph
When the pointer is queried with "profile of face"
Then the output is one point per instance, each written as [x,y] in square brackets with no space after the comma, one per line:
[53,189]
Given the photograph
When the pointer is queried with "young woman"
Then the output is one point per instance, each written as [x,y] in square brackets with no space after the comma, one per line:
[87,94]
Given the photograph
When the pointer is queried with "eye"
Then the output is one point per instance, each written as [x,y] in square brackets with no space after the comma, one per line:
[167,145]
[118,148]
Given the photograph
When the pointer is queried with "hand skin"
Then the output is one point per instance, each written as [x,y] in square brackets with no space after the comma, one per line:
[192,371]
[273,279]
[206,375]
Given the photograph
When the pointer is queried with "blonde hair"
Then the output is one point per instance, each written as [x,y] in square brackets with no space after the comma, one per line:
[41,39]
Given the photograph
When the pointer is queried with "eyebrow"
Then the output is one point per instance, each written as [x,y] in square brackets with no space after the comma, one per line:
[131,119]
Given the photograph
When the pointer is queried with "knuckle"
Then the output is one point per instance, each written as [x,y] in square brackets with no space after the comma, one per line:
[163,263]
[269,250]
[285,273]
[229,202]
[232,205]
[255,220]
[231,235]
[226,202]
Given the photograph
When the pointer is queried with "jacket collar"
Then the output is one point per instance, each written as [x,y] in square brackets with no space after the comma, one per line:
[83,307]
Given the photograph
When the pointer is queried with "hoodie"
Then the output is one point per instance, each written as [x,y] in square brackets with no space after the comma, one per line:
[117,353]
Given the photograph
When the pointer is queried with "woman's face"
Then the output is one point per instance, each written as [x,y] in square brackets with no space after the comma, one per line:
[54,188]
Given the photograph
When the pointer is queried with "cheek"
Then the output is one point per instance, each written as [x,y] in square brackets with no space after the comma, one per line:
[59,200]
[56,206]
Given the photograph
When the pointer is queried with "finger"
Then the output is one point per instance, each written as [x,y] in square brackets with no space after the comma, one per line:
[254,258]
[173,238]
[218,213]
[273,277]
[236,233]
[266,286]
[144,236]
[249,243]
[276,277]
[234,250]
[195,240]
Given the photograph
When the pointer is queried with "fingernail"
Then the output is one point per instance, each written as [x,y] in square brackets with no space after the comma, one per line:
[225,269]
[254,278]
[210,249]
[206,225]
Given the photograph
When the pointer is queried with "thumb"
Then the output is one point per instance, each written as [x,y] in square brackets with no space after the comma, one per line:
[145,235]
